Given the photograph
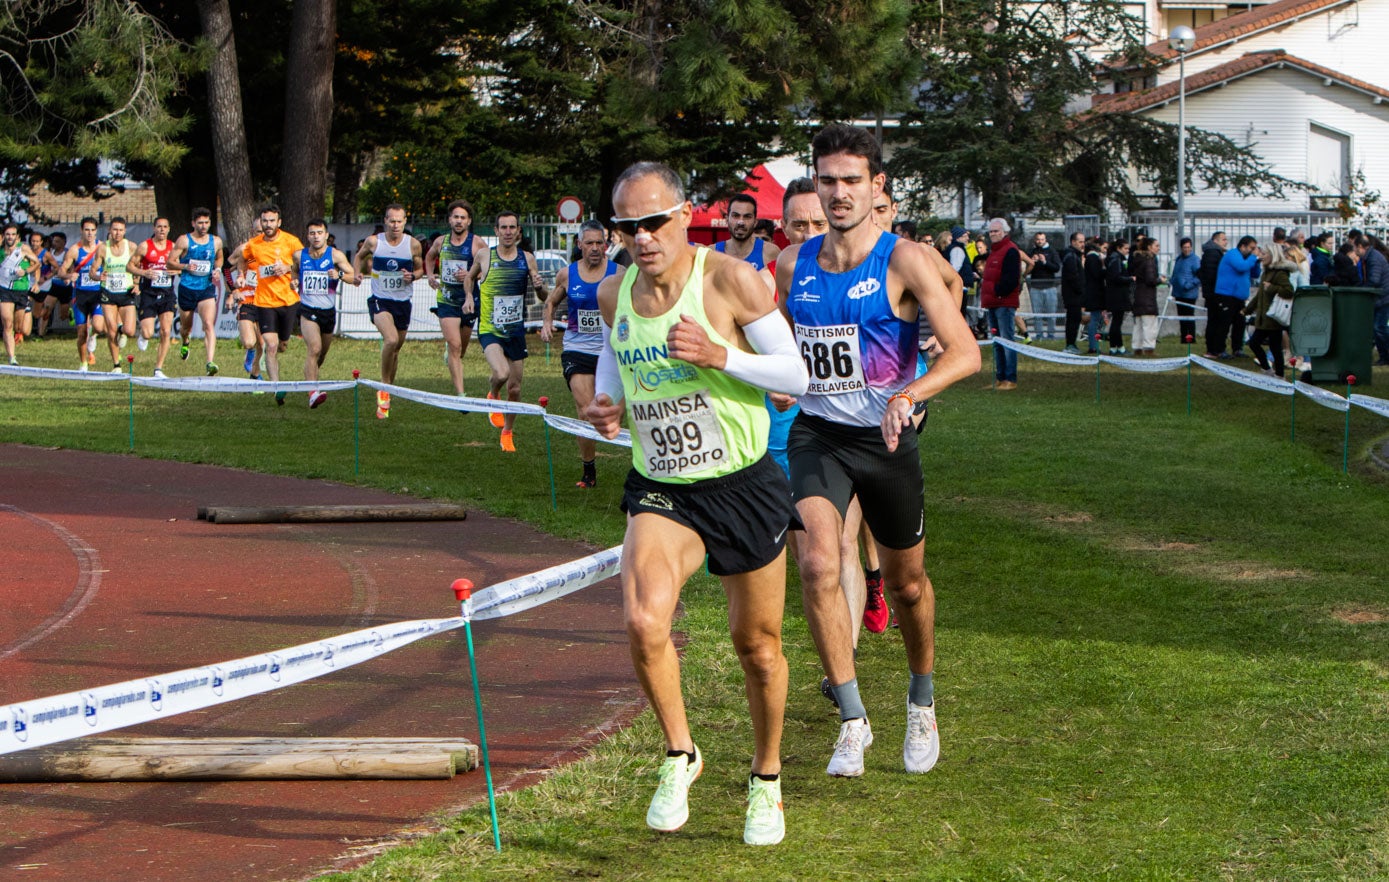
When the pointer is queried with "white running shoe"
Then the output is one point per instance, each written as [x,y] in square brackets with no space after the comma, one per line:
[83,367]
[142,343]
[765,823]
[91,343]
[160,375]
[117,370]
[922,746]
[670,805]
[854,738]
[121,341]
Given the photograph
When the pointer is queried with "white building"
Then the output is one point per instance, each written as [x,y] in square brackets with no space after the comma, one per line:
[1303,83]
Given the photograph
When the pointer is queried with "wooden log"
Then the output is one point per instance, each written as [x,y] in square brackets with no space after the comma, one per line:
[303,514]
[215,759]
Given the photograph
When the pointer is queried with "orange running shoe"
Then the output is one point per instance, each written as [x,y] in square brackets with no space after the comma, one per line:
[508,442]
[383,405]
[494,418]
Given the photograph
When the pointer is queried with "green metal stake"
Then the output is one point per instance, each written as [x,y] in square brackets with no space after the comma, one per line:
[1188,375]
[1097,370]
[1345,445]
[130,363]
[356,425]
[463,590]
[550,457]
[1292,414]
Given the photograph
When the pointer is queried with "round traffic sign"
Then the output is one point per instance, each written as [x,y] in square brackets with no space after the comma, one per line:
[569,209]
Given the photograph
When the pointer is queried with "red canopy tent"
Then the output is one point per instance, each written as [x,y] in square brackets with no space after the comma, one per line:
[710,222]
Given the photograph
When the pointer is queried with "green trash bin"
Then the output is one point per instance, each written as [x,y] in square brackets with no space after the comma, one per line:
[1334,327]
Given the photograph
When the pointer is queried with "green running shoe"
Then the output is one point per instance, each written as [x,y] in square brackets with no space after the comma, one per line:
[670,807]
[212,368]
[766,822]
[183,351]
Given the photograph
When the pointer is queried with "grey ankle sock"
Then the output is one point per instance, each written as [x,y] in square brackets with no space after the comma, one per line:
[922,691]
[850,705]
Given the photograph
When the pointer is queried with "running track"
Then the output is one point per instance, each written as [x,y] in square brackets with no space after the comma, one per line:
[108,576]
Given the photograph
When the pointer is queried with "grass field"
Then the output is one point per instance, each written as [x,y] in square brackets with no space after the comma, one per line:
[1163,639]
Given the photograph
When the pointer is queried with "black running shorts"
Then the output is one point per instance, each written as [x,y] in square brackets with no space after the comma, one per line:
[277,320]
[742,517]
[326,317]
[577,363]
[156,301]
[837,462]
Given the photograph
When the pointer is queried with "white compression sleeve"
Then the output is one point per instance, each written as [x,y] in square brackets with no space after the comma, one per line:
[606,379]
[777,366]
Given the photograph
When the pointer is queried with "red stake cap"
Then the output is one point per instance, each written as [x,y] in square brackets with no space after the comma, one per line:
[1188,338]
[356,374]
[130,359]
[462,589]
[544,401]
[1350,379]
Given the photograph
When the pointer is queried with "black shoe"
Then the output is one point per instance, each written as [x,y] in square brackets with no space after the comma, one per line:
[826,691]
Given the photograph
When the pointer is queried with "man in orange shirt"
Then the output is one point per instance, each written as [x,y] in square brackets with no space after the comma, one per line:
[271,257]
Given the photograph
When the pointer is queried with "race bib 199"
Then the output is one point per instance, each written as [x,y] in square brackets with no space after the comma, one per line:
[832,358]
[679,436]
[506,310]
[393,282]
[589,320]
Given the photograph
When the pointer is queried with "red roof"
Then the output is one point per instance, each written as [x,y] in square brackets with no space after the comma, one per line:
[1253,62]
[1252,21]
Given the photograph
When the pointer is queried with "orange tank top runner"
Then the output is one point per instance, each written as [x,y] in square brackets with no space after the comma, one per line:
[272,290]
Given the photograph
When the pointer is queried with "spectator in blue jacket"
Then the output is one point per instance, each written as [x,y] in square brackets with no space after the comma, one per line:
[1374,272]
[1186,286]
[1323,261]
[1232,282]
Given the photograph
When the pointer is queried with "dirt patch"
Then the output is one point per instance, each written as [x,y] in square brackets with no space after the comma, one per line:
[1360,615]
[1070,517]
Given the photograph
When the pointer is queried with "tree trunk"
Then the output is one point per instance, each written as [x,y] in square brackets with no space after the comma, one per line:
[228,123]
[347,182]
[308,112]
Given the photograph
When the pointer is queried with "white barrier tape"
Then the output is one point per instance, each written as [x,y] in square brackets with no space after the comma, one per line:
[55,374]
[240,384]
[1144,365]
[57,718]
[586,430]
[1324,398]
[456,402]
[1372,404]
[534,589]
[1245,378]
[1039,353]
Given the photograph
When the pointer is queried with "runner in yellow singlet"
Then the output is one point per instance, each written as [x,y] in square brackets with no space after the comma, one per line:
[692,340]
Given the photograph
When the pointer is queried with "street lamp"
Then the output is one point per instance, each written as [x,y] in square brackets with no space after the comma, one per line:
[1182,39]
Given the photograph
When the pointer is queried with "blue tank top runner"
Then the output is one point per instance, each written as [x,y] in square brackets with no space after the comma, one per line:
[199,259]
[754,257]
[858,352]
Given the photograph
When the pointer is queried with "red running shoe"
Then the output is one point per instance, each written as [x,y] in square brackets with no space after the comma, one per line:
[875,612]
